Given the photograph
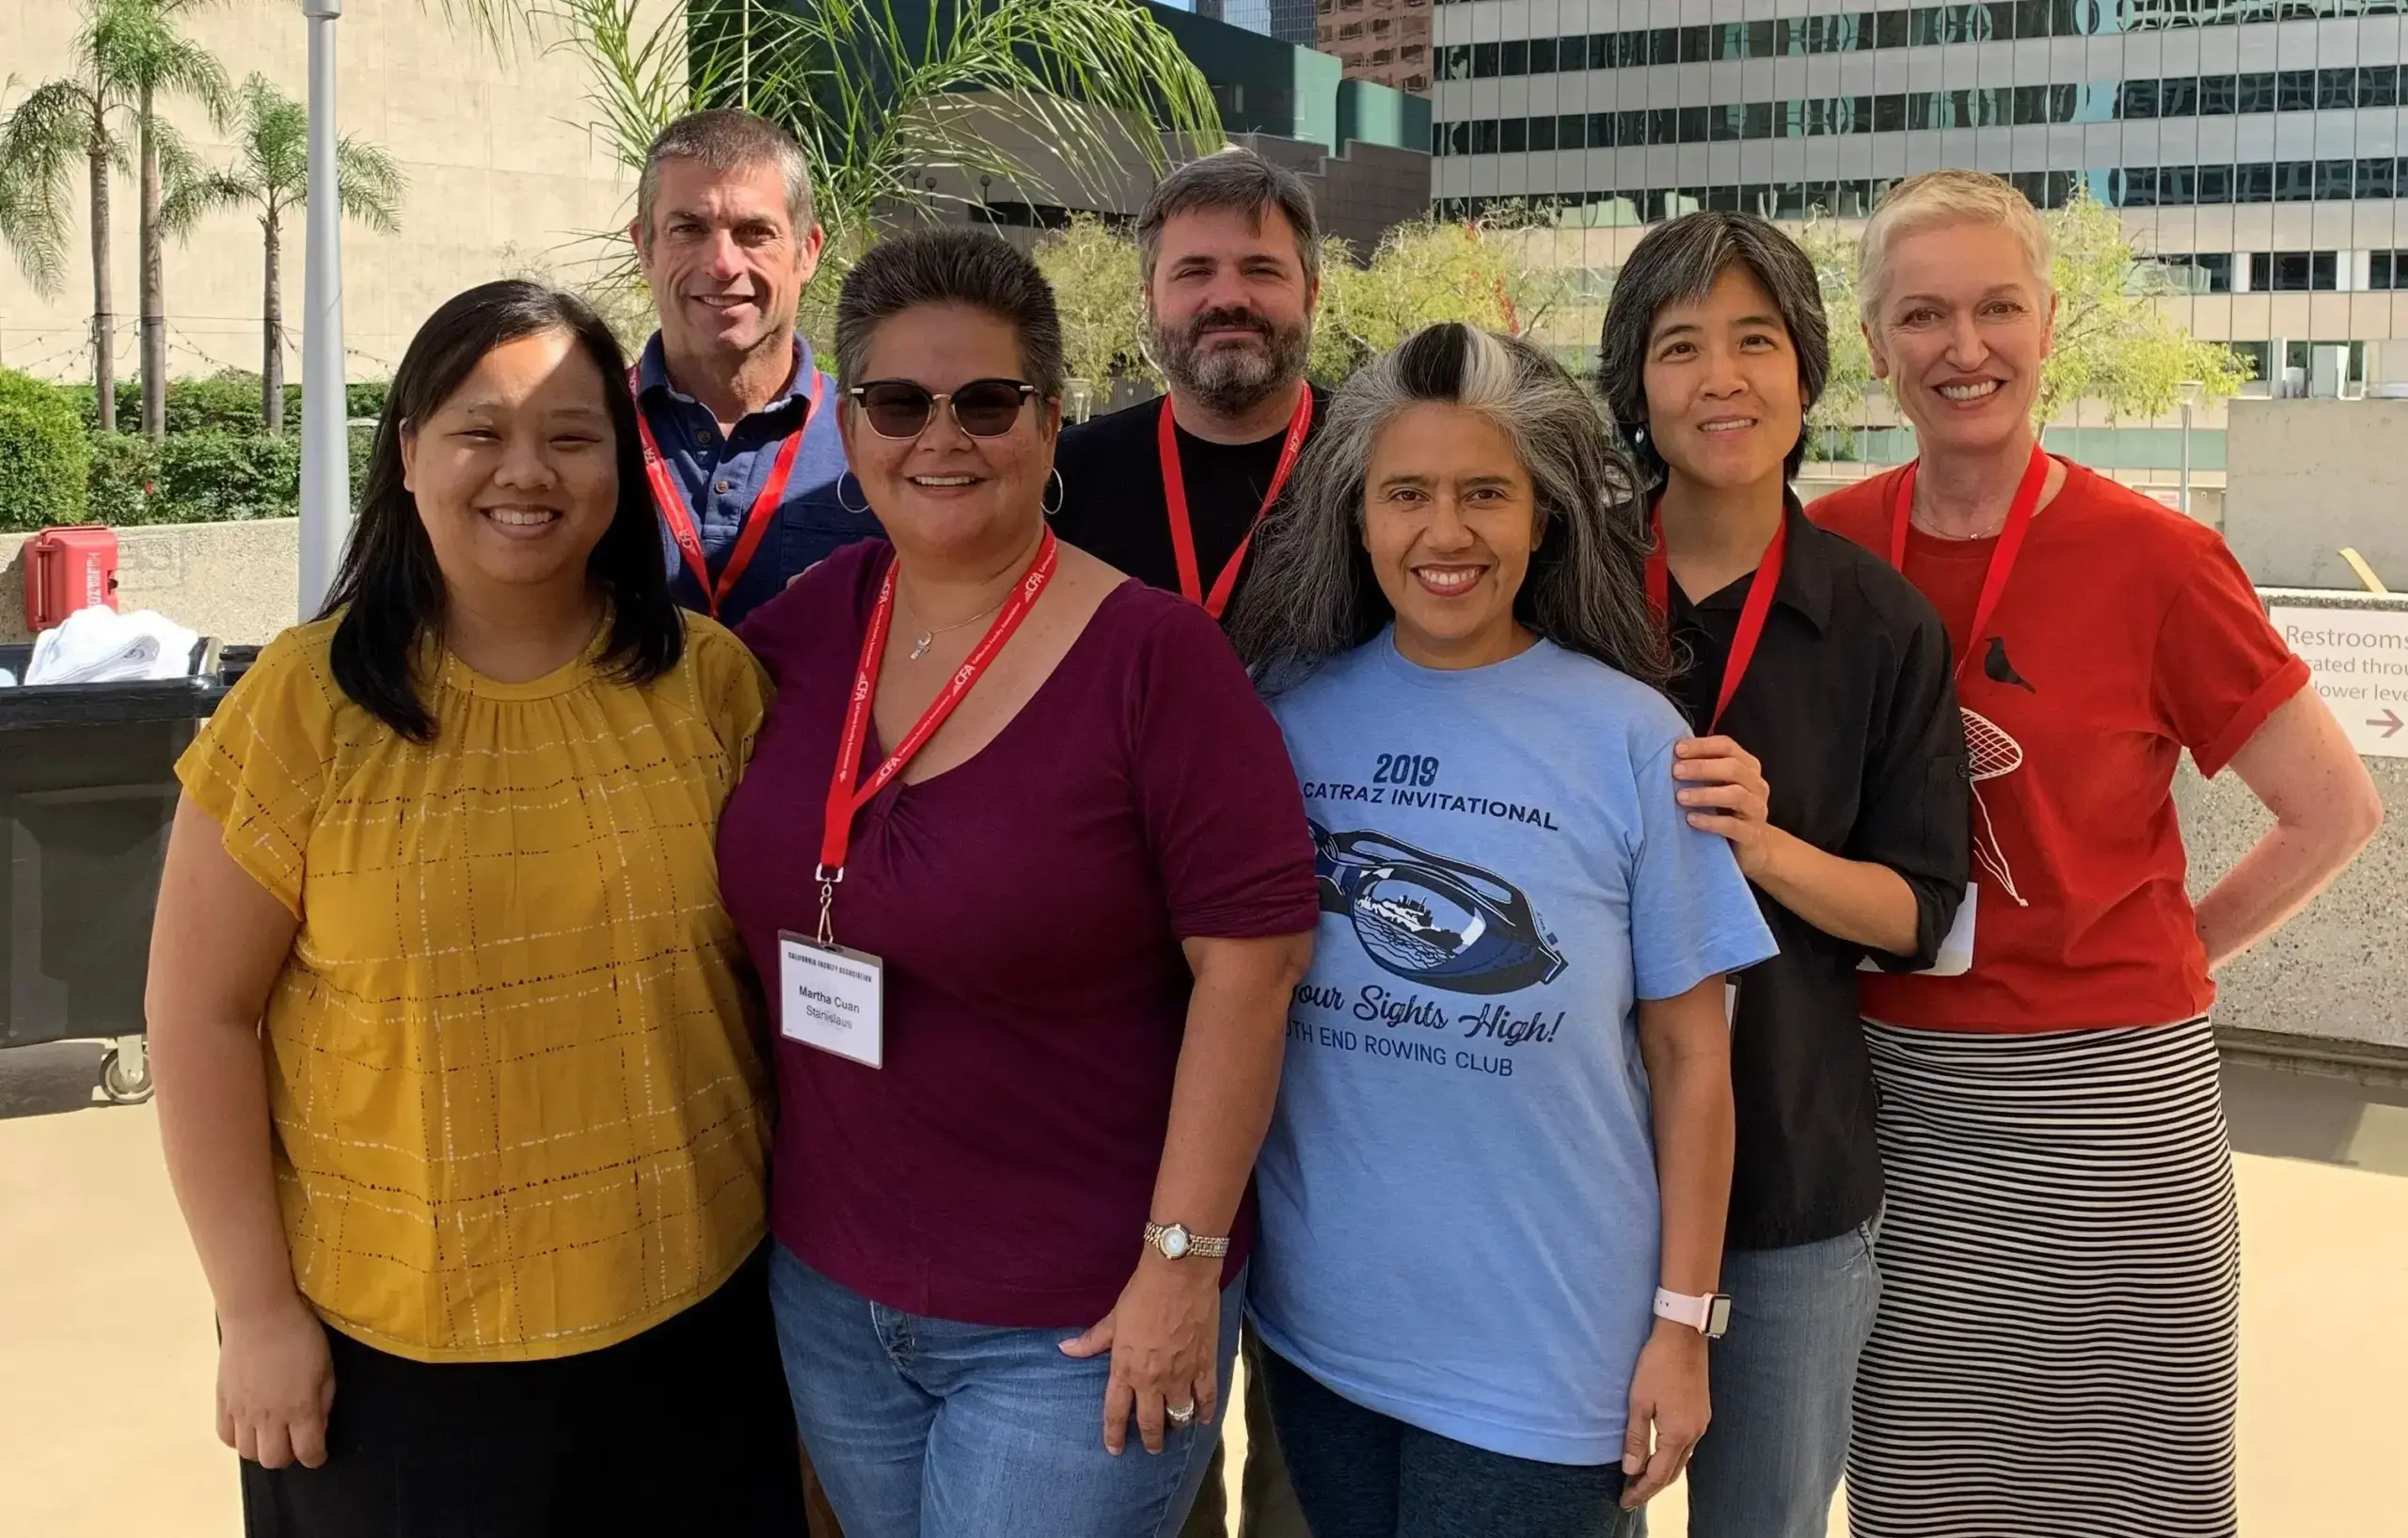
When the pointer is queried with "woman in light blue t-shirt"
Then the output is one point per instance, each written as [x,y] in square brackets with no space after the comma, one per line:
[1492,1193]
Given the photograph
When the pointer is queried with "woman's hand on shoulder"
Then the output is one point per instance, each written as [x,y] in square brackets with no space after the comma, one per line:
[1722,791]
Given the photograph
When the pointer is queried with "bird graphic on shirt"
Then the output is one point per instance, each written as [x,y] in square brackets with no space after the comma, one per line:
[1998,670]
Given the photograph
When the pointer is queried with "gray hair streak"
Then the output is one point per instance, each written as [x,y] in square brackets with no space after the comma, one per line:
[725,139]
[1676,263]
[1236,177]
[950,266]
[1312,595]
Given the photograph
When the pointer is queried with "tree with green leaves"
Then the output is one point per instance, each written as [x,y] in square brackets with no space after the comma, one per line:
[128,57]
[1840,411]
[2117,343]
[1423,272]
[270,176]
[86,118]
[157,60]
[1096,287]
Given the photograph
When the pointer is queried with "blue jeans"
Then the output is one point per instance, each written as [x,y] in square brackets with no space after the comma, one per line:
[1783,1378]
[926,1428]
[1361,1474]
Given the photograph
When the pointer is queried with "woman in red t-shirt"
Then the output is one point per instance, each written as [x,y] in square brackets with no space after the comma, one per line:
[2060,1258]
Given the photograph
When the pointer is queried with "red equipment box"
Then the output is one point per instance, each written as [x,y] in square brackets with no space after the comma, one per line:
[67,569]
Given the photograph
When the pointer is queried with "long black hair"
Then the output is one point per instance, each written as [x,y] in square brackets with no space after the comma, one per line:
[390,592]
[1311,593]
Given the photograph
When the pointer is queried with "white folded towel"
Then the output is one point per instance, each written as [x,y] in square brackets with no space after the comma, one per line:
[99,645]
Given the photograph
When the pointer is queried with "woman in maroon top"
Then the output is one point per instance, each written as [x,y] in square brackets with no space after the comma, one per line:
[1031,1010]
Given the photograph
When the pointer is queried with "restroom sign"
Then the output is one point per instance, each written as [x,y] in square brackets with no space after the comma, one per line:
[2359,658]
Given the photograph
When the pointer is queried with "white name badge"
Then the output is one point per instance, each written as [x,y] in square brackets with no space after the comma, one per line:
[832,998]
[1956,951]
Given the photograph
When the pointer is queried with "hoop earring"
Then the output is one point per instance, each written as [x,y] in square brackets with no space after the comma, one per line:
[1060,491]
[861,512]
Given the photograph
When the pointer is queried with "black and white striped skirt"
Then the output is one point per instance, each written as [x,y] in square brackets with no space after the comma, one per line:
[2058,1349]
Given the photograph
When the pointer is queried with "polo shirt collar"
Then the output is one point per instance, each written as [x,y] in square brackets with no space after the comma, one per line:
[651,374]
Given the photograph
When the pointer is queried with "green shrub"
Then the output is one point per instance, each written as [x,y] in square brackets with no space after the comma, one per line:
[224,402]
[212,477]
[363,445]
[124,478]
[43,458]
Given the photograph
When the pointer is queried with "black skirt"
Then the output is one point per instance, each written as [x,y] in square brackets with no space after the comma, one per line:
[683,1429]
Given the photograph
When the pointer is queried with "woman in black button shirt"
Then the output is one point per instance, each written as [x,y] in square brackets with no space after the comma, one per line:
[1833,758]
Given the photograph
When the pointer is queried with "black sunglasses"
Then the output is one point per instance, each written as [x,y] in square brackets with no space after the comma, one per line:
[984,408]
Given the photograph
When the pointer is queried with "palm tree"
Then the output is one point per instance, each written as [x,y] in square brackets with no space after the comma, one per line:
[83,117]
[157,60]
[270,175]
[127,56]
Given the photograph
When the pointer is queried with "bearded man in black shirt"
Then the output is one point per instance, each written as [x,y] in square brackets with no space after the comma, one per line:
[1171,490]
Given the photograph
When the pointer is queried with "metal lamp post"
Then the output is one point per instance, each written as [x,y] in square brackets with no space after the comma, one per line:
[2191,390]
[326,411]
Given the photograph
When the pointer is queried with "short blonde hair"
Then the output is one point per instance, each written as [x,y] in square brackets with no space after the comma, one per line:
[1936,199]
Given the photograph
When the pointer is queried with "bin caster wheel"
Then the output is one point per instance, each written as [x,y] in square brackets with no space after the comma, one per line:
[124,1086]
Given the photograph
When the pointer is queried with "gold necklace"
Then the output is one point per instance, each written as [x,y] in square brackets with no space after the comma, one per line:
[928,638]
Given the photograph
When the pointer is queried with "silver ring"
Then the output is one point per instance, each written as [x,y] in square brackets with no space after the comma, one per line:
[1181,1416]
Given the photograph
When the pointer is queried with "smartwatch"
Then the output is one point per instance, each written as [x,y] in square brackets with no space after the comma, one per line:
[1709,1315]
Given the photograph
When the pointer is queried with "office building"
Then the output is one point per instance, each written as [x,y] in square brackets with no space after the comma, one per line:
[2254,148]
[1383,40]
[1283,21]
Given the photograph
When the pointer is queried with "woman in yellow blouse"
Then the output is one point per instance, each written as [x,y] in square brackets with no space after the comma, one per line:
[459,1079]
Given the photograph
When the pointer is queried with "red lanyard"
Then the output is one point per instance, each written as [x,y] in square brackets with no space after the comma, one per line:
[844,800]
[1752,613]
[680,519]
[2010,542]
[1182,533]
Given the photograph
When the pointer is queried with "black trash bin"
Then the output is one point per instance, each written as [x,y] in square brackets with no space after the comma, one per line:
[88,789]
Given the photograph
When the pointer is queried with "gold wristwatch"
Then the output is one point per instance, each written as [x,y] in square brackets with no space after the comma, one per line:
[1173,1241]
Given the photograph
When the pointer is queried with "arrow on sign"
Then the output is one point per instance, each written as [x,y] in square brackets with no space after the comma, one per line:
[2389,721]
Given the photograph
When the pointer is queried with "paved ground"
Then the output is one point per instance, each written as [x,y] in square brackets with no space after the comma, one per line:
[105,1348]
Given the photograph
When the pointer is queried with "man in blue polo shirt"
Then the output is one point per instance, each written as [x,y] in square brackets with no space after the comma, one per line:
[746,470]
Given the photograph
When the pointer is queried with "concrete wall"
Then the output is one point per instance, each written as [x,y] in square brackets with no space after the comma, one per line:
[237,582]
[503,173]
[2304,478]
[2338,970]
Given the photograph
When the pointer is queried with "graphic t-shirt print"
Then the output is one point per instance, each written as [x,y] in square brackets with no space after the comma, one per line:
[1452,937]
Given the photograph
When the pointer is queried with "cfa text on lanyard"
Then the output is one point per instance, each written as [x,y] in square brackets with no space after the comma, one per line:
[1753,613]
[1183,531]
[670,501]
[830,996]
